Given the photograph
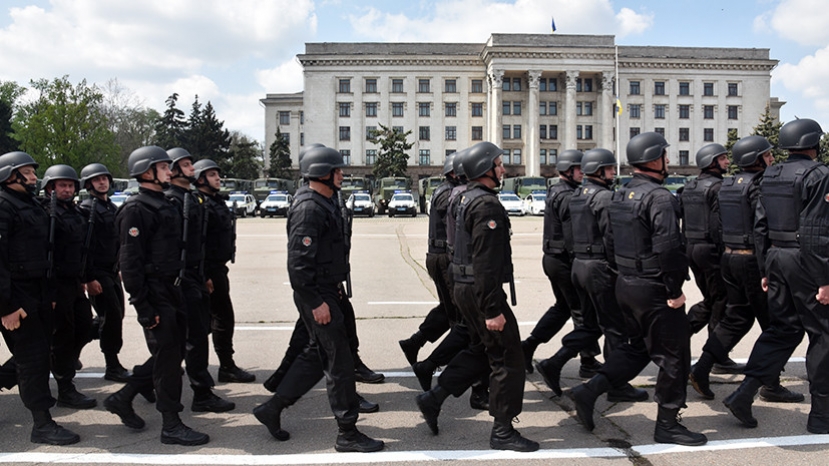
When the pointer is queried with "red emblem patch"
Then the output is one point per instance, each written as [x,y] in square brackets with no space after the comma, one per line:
[826,198]
[491,224]
[306,241]
[133,232]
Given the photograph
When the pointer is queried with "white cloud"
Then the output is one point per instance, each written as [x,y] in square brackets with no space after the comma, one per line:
[807,78]
[475,20]
[802,21]
[285,78]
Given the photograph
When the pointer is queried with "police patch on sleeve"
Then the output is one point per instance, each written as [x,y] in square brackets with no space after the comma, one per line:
[133,232]
[491,224]
[306,241]
[826,198]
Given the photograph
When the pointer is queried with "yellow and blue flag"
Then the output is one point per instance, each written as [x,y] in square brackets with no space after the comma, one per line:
[553,24]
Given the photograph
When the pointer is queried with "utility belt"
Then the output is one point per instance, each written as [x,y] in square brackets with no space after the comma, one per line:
[554,246]
[650,265]
[784,239]
[167,270]
[462,273]
[742,252]
[589,251]
[438,245]
[744,241]
[29,269]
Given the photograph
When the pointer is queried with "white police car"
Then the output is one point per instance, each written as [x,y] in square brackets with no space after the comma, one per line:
[118,198]
[277,203]
[402,202]
[512,203]
[535,202]
[360,203]
[241,203]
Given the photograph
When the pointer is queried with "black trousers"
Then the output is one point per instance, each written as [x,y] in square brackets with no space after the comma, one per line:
[746,302]
[658,333]
[72,318]
[793,312]
[109,306]
[223,319]
[704,259]
[197,349]
[498,354]
[328,353]
[30,344]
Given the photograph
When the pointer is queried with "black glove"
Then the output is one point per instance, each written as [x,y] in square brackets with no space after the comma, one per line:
[146,314]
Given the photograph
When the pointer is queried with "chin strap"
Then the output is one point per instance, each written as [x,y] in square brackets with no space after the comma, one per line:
[21,180]
[663,170]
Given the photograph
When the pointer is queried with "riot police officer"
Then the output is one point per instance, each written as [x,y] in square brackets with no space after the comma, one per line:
[650,256]
[481,264]
[24,293]
[746,299]
[150,260]
[103,284]
[594,276]
[317,266]
[72,311]
[558,261]
[194,290]
[220,241]
[791,247]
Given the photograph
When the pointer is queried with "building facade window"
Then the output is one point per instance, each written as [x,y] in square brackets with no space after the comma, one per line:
[683,157]
[634,88]
[552,85]
[659,112]
[684,112]
[708,89]
[684,134]
[398,129]
[397,86]
[516,84]
[345,109]
[424,109]
[301,117]
[659,88]
[451,109]
[345,86]
[516,131]
[516,108]
[635,111]
[423,133]
[424,157]
[284,118]
[301,139]
[660,131]
[506,84]
[552,156]
[423,86]
[542,84]
[506,131]
[542,157]
[552,108]
[477,133]
[477,86]
[542,132]
[397,109]
[451,133]
[553,131]
[370,130]
[371,86]
[684,88]
[584,84]
[708,134]
[371,109]
[450,86]
[345,133]
[708,112]
[477,109]
[732,112]
[287,138]
[371,156]
[516,157]
[542,108]
[506,108]
[732,89]
[634,131]
[346,156]
[579,132]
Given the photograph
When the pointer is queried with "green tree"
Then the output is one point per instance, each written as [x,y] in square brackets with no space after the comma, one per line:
[245,158]
[280,157]
[65,124]
[206,137]
[769,128]
[729,144]
[392,159]
[10,91]
[170,128]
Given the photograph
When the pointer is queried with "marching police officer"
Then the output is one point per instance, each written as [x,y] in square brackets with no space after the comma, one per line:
[558,261]
[481,264]
[594,276]
[650,256]
[791,246]
[149,228]
[317,266]
[24,293]
[103,284]
[741,274]
[72,311]
[194,290]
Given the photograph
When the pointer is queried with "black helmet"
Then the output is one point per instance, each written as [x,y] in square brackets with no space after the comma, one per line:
[92,170]
[646,147]
[305,150]
[318,162]
[567,159]
[11,161]
[457,163]
[746,151]
[594,159]
[480,158]
[448,165]
[177,153]
[143,158]
[204,165]
[709,152]
[800,134]
[61,172]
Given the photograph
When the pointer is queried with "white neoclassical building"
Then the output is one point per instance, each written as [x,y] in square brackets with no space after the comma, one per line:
[532,94]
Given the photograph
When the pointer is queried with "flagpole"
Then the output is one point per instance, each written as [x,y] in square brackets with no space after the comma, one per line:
[618,118]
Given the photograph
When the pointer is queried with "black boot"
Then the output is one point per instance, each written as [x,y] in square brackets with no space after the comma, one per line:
[269,414]
[424,371]
[505,437]
[429,404]
[47,431]
[739,402]
[699,375]
[120,404]
[627,393]
[234,374]
[363,374]
[70,397]
[669,430]
[205,401]
[411,346]
[349,439]
[550,368]
[585,396]
[366,406]
[275,379]
[174,432]
[818,422]
[729,367]
[479,398]
[589,367]
[780,394]
[529,346]
[114,370]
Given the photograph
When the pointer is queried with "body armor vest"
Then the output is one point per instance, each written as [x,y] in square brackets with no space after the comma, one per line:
[462,270]
[70,234]
[331,264]
[219,239]
[103,250]
[165,253]
[780,190]
[195,225]
[558,234]
[737,215]
[588,244]
[451,216]
[28,240]
[696,211]
[437,224]
[631,231]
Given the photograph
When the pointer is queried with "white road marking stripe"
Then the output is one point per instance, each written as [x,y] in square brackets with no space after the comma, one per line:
[404,456]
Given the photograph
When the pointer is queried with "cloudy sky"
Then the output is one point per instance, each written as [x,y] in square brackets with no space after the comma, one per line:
[234,52]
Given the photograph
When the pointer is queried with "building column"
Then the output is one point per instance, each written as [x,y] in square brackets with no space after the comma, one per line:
[570,141]
[532,164]
[496,78]
[606,104]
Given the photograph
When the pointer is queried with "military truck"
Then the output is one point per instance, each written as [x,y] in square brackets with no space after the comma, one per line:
[228,185]
[385,188]
[262,187]
[425,188]
[523,186]
[353,183]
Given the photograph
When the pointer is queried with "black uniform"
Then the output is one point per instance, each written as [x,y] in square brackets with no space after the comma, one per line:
[102,266]
[650,256]
[791,242]
[72,312]
[701,223]
[149,228]
[24,245]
